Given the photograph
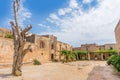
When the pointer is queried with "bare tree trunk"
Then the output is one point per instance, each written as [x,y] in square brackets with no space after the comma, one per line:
[19,42]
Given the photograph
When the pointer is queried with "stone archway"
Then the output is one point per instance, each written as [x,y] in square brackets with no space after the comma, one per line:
[52,56]
[104,57]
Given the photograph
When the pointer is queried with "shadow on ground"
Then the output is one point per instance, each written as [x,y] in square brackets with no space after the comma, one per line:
[5,75]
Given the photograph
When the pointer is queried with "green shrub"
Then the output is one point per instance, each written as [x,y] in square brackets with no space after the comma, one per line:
[115,61]
[8,35]
[63,61]
[18,73]
[36,62]
[111,59]
[69,55]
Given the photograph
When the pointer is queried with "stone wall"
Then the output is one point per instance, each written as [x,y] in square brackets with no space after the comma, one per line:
[37,53]
[44,49]
[100,47]
[92,51]
[110,46]
[89,47]
[95,47]
[117,36]
[62,46]
[7,50]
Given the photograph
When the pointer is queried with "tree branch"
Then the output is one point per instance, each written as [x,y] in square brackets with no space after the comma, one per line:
[16,5]
[26,50]
[26,29]
[13,28]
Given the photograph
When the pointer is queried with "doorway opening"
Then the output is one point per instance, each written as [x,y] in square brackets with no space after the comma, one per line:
[52,56]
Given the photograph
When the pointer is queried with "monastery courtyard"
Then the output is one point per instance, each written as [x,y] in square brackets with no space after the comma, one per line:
[79,70]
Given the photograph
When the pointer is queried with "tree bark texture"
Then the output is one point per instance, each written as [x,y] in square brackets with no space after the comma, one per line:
[19,42]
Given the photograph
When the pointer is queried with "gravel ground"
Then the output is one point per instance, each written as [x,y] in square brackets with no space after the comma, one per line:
[103,73]
[80,70]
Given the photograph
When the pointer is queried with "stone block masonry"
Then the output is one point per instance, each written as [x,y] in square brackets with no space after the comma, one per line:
[45,48]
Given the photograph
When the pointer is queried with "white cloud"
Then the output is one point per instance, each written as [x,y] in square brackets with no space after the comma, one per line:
[44,26]
[64,11]
[79,27]
[87,1]
[24,13]
[23,16]
[54,16]
[73,4]
[61,12]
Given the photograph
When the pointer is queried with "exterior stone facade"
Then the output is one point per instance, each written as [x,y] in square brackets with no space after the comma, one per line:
[117,35]
[50,44]
[6,50]
[95,47]
[62,46]
[92,48]
[44,48]
[110,46]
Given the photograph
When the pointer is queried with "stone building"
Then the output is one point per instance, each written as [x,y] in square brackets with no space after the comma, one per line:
[49,45]
[45,48]
[117,35]
[62,46]
[93,49]
[110,46]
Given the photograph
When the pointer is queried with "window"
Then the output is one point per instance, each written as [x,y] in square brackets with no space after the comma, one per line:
[111,48]
[99,48]
[60,47]
[41,53]
[66,47]
[52,46]
[86,48]
[42,44]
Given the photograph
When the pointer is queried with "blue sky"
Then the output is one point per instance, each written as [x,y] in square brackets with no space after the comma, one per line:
[72,21]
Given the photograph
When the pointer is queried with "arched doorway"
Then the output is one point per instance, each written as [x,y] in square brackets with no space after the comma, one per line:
[79,57]
[103,57]
[52,56]
[52,46]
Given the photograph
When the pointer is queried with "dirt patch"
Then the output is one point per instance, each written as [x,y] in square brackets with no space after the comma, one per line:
[79,70]
[103,73]
[53,71]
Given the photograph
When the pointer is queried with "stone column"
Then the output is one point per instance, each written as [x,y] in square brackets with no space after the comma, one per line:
[88,56]
[101,56]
